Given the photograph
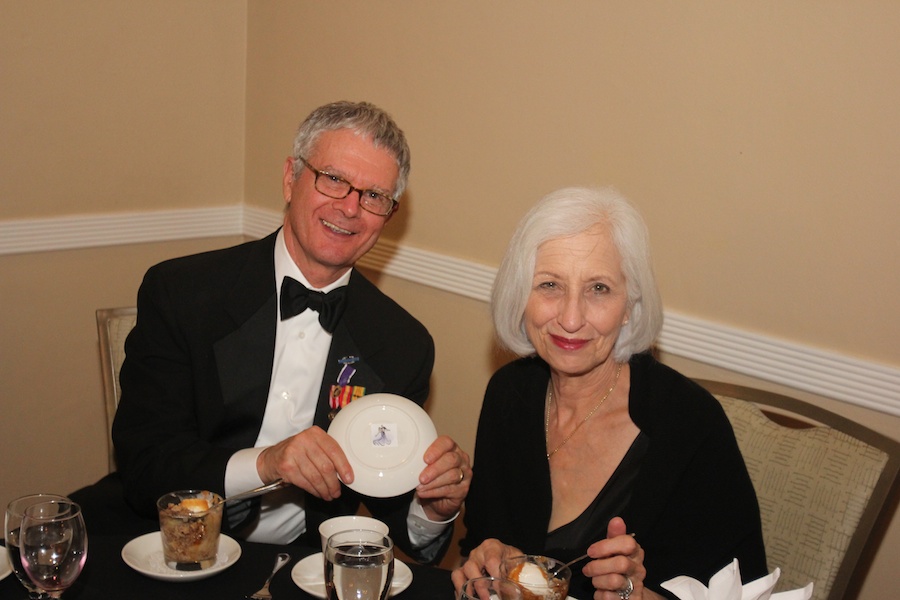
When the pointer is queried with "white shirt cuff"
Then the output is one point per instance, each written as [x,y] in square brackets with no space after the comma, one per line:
[240,472]
[422,530]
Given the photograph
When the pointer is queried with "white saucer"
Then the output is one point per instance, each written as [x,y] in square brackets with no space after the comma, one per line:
[309,575]
[384,437]
[5,567]
[145,555]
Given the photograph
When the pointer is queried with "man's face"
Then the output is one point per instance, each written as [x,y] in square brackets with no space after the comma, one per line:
[325,236]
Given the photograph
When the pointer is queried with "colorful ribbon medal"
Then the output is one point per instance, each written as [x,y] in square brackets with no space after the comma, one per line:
[343,393]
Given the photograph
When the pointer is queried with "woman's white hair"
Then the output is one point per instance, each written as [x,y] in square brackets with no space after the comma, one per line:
[567,212]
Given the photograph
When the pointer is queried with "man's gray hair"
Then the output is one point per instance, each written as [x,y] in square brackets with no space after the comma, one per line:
[363,118]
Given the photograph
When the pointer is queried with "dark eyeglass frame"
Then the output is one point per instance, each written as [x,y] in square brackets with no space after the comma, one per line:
[364,195]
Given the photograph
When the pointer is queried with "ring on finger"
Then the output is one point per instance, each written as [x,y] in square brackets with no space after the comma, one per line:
[462,476]
[625,592]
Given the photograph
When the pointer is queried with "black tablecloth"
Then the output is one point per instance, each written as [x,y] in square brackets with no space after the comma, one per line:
[107,577]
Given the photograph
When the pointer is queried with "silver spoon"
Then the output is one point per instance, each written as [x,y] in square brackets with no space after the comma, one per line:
[263,489]
[568,564]
[572,562]
[264,593]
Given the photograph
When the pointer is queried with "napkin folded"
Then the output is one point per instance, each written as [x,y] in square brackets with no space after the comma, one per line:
[726,585]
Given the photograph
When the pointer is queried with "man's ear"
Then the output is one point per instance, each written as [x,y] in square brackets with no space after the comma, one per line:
[287,181]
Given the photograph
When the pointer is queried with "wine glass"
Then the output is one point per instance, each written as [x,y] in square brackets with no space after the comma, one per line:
[359,565]
[15,511]
[490,588]
[53,545]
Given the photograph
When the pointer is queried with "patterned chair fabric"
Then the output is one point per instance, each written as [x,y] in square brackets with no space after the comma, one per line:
[113,326]
[820,486]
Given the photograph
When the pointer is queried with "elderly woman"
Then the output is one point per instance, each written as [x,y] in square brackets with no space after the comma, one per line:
[587,443]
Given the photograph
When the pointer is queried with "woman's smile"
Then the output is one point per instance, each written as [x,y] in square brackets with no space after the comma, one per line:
[568,343]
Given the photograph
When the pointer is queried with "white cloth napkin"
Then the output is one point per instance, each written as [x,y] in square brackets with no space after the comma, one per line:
[726,585]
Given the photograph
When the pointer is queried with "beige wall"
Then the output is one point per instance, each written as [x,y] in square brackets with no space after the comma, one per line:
[121,106]
[53,429]
[759,139]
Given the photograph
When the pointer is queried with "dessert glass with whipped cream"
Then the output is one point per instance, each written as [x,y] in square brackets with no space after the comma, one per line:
[190,528]
[538,576]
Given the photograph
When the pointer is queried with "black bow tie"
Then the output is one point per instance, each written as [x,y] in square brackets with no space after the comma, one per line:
[296,297]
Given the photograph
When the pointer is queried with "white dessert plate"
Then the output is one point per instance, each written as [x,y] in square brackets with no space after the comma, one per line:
[384,437]
[5,567]
[144,554]
[309,575]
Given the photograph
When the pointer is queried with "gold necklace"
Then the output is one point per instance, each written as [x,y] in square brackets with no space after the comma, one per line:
[583,421]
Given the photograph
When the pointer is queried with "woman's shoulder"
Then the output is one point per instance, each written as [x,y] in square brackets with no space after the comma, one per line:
[512,414]
[661,390]
[517,384]
[522,373]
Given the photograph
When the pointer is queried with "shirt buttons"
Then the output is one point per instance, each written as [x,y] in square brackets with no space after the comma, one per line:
[285,395]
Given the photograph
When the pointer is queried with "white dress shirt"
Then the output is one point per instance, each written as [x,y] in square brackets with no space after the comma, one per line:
[301,350]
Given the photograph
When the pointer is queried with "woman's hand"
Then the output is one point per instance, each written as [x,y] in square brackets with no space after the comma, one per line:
[485,559]
[617,564]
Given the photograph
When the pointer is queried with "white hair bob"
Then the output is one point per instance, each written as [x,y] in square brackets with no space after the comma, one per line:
[564,213]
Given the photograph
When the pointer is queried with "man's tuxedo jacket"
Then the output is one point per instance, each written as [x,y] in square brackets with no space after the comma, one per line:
[199,362]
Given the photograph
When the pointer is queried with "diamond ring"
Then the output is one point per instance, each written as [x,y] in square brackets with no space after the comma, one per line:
[625,592]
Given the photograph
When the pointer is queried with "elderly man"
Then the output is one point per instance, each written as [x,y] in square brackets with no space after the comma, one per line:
[240,355]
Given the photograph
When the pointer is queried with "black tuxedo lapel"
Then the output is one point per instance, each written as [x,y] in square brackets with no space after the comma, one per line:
[244,362]
[245,356]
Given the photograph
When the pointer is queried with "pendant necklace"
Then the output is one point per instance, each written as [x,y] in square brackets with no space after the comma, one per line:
[583,421]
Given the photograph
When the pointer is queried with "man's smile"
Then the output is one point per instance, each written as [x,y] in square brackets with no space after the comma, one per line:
[335,228]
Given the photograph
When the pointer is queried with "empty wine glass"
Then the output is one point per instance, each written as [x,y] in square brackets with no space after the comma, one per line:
[53,545]
[15,511]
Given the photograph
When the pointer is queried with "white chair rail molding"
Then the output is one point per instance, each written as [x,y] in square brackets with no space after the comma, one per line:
[833,375]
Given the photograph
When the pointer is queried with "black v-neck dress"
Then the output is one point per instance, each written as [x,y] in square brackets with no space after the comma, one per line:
[682,489]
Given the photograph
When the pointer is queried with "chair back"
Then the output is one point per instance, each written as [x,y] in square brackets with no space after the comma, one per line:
[821,480]
[113,326]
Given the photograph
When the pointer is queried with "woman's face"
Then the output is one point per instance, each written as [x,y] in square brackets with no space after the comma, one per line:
[578,301]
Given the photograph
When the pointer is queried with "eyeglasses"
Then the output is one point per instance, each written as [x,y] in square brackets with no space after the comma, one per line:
[335,187]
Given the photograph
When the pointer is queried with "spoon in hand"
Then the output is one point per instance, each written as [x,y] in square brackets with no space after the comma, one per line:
[263,489]
[572,562]
[568,564]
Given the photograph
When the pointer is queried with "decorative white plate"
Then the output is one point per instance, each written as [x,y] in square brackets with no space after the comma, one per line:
[384,437]
[144,554]
[309,575]
[5,567]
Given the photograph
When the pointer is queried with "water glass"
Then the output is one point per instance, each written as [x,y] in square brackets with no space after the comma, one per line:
[359,565]
[15,511]
[335,524]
